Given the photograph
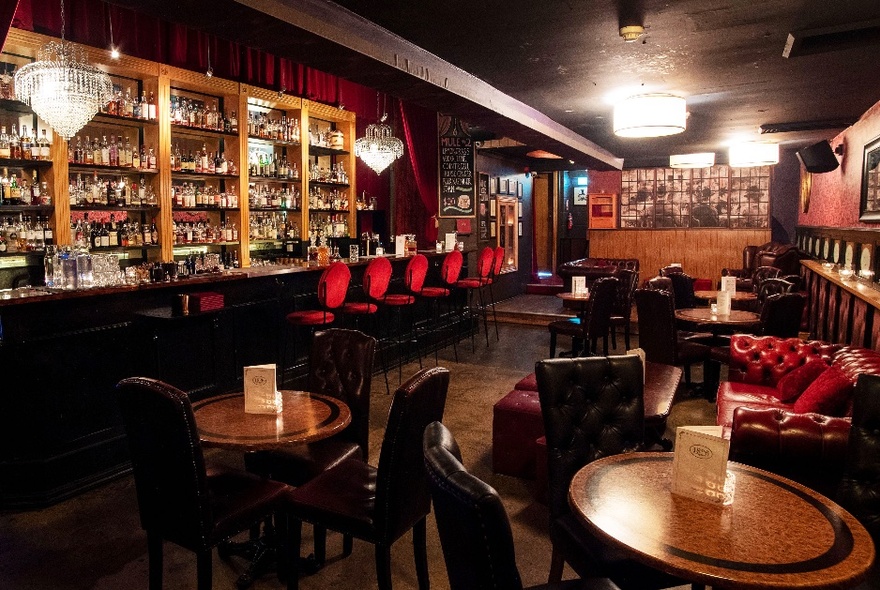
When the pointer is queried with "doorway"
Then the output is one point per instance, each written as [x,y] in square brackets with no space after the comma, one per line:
[545,225]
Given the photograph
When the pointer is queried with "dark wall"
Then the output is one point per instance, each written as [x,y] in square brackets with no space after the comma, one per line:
[785,191]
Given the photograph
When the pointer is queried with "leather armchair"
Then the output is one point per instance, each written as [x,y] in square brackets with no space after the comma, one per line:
[592,407]
[785,257]
[593,268]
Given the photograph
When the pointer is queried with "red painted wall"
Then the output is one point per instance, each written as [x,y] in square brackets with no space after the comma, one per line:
[605,182]
[835,198]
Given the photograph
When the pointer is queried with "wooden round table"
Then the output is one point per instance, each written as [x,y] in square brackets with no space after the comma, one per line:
[305,417]
[580,298]
[734,295]
[776,534]
[704,315]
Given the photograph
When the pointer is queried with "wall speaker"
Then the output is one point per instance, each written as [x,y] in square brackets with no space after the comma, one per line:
[818,157]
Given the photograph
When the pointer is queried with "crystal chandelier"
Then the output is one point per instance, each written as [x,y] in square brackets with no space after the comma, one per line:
[61,87]
[378,148]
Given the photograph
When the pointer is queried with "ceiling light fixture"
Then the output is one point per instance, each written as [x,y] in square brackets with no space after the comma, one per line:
[697,160]
[378,148]
[632,32]
[753,153]
[61,87]
[650,115]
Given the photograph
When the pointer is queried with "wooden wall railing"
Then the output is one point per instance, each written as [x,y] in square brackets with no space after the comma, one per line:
[845,312]
[702,252]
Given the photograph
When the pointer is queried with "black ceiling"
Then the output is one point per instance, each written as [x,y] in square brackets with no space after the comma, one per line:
[565,59]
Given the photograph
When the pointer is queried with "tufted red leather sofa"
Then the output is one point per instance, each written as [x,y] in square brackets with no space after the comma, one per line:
[593,268]
[757,363]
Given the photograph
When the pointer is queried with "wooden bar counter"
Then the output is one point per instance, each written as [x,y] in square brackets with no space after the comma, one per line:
[63,353]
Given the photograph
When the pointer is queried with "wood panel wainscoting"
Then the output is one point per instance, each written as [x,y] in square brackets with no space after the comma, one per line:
[701,252]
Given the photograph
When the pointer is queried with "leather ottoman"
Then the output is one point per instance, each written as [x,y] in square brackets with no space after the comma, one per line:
[516,424]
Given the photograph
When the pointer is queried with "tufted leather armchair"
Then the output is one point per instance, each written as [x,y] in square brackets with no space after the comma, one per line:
[785,257]
[859,490]
[603,294]
[179,498]
[591,407]
[621,315]
[380,504]
[473,525]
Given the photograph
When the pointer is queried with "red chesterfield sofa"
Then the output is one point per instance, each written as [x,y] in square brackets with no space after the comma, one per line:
[777,434]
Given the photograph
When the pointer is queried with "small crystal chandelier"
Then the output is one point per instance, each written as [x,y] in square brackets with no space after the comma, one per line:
[61,87]
[378,148]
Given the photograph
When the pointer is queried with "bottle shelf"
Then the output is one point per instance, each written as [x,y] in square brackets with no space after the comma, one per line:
[329,211]
[329,184]
[121,120]
[275,142]
[81,167]
[6,254]
[317,150]
[176,208]
[37,208]
[201,132]
[200,175]
[191,244]
[16,106]
[114,207]
[279,241]
[272,180]
[118,248]
[278,209]
[23,163]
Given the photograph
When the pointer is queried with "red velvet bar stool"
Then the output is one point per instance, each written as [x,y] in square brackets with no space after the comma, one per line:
[497,263]
[485,263]
[413,280]
[375,282]
[449,271]
[332,290]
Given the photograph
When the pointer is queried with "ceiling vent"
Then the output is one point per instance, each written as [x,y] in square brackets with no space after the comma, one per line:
[835,38]
[806,126]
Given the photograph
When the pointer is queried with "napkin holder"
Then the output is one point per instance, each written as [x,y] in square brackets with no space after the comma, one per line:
[260,394]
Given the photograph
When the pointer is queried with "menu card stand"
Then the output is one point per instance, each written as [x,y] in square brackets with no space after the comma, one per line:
[699,465]
[579,285]
[260,395]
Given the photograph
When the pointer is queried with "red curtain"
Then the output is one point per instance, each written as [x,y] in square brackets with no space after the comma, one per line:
[416,178]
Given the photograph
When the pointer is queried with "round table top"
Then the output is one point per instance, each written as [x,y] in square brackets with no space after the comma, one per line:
[704,315]
[569,296]
[305,417]
[775,534]
[734,295]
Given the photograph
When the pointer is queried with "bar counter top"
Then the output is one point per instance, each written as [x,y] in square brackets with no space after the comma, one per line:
[860,288]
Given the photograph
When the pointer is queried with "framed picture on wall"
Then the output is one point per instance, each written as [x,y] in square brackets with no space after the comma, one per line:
[870,206]
[493,185]
[519,209]
[502,189]
[519,189]
[492,208]
[580,195]
[513,187]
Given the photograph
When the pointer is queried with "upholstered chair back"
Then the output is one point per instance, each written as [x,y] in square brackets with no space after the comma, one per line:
[474,529]
[592,407]
[859,490]
[341,366]
[402,495]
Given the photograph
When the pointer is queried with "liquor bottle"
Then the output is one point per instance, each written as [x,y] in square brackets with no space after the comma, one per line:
[144,107]
[145,164]
[29,145]
[48,234]
[141,191]
[105,151]
[5,151]
[96,151]
[15,144]
[152,159]
[45,197]
[154,233]
[128,160]
[14,197]
[112,152]
[87,155]
[152,112]
[128,104]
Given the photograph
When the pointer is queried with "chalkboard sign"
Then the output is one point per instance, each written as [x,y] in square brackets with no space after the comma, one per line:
[456,162]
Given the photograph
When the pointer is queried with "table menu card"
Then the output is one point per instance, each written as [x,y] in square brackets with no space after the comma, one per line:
[450,242]
[639,352]
[260,395]
[579,285]
[723,302]
[699,464]
[728,284]
[400,246]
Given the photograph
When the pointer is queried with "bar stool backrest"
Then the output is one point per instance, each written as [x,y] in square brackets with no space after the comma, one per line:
[333,285]
[498,261]
[416,270]
[485,262]
[451,267]
[377,276]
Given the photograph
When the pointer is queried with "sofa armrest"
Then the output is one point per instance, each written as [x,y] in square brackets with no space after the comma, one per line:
[808,448]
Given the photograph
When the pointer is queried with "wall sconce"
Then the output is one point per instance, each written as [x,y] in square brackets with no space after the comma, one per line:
[839,149]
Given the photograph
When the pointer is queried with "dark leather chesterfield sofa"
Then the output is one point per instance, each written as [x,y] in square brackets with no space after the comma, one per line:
[808,447]
[785,257]
[593,268]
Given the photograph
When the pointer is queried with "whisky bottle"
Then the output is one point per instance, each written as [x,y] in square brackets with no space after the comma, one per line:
[5,151]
